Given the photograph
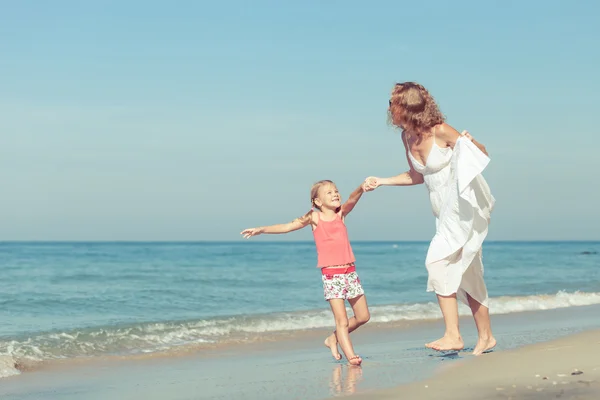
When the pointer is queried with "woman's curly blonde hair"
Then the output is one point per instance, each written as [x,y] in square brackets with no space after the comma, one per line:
[413,109]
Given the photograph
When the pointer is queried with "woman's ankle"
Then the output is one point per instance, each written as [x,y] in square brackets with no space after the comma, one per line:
[454,335]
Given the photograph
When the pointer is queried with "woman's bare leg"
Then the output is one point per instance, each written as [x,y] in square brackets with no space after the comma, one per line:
[451,339]
[481,314]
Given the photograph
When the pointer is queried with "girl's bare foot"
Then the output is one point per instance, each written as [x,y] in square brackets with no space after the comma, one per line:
[332,343]
[484,345]
[356,360]
[446,343]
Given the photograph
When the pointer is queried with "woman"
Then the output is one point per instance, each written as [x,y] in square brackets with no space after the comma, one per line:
[450,165]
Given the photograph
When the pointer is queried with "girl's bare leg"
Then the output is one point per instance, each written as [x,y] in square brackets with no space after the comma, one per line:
[338,307]
[451,339]
[361,317]
[481,314]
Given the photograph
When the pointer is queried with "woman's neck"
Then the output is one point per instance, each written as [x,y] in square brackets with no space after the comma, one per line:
[419,136]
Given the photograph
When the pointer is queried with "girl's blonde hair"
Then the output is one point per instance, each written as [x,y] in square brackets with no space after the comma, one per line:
[413,109]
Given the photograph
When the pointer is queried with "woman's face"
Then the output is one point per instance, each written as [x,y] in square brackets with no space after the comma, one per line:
[394,112]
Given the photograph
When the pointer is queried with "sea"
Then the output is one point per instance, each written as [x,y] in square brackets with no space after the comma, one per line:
[85,300]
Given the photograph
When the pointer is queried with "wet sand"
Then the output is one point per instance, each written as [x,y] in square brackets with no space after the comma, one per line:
[567,368]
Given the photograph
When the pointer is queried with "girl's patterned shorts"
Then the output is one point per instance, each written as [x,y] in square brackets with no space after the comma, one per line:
[341,283]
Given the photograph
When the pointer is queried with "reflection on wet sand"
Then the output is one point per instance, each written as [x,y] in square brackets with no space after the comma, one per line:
[344,379]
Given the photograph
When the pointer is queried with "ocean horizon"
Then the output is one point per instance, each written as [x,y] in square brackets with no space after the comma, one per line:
[263,240]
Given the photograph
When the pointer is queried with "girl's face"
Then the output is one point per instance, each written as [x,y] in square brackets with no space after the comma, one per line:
[328,197]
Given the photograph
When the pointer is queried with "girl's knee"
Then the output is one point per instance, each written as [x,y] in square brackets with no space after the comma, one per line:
[341,323]
[363,318]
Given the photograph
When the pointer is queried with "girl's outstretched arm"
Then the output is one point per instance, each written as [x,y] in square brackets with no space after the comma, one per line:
[296,224]
[352,200]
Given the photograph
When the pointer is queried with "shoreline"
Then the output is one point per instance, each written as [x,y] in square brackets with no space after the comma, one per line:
[399,317]
[270,341]
[295,367]
[566,368]
[250,343]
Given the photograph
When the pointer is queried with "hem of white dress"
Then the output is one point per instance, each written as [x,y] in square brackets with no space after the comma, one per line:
[463,299]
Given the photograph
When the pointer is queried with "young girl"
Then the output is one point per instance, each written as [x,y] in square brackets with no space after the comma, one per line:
[336,260]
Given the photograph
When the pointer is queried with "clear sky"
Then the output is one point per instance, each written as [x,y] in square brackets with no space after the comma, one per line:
[191,120]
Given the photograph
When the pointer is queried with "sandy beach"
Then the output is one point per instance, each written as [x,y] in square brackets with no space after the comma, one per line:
[567,368]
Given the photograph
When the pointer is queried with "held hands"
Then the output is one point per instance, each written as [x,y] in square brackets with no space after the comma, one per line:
[248,233]
[371,183]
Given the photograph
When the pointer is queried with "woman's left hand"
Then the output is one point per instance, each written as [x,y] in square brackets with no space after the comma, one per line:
[480,146]
[467,135]
[371,183]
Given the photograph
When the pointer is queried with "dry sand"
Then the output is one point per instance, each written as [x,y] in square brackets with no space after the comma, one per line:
[567,368]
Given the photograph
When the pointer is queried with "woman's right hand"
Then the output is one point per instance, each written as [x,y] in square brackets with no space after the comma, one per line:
[372,183]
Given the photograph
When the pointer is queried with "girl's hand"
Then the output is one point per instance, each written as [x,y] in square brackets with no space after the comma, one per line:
[371,183]
[251,232]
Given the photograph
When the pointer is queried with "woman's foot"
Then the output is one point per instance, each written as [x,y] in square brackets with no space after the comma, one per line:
[483,345]
[356,360]
[332,343]
[447,343]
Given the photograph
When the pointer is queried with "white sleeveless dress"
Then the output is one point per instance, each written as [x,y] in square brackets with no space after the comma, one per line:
[461,203]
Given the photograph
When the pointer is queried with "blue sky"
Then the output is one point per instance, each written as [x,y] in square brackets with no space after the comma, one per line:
[147,120]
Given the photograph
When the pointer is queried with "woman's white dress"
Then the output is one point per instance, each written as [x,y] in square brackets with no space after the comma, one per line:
[462,203]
